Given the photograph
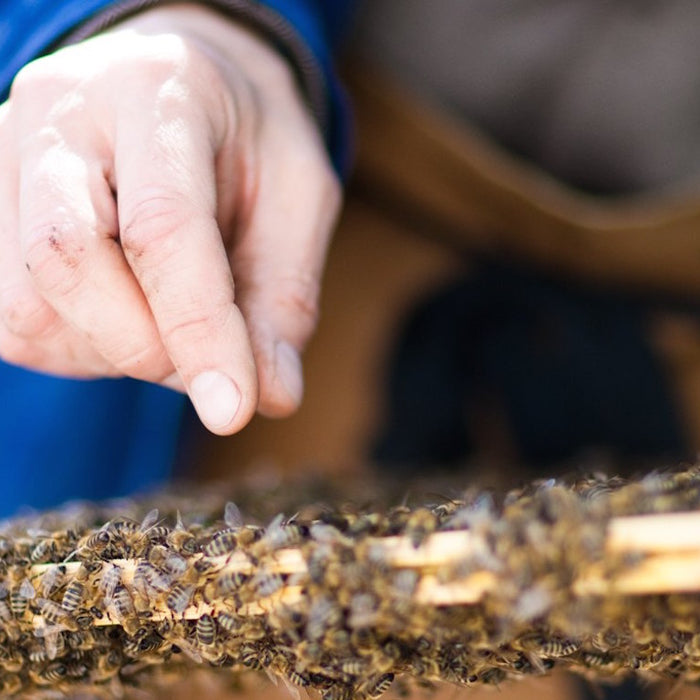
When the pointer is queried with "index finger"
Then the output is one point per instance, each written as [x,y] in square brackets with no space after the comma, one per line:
[165,169]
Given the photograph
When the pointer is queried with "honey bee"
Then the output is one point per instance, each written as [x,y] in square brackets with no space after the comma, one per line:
[73,596]
[225,541]
[52,579]
[206,630]
[11,660]
[339,692]
[179,597]
[11,684]
[20,594]
[54,642]
[181,541]
[93,544]
[249,656]
[148,578]
[324,613]
[363,610]
[230,582]
[266,583]
[230,623]
[167,561]
[221,544]
[54,613]
[419,524]
[376,686]
[124,610]
[279,534]
[50,674]
[353,667]
[111,578]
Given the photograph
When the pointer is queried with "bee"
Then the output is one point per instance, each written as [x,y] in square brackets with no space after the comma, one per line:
[230,581]
[310,652]
[206,630]
[353,666]
[419,524]
[337,640]
[221,544]
[324,613]
[95,543]
[327,534]
[111,578]
[124,610]
[596,660]
[51,674]
[559,647]
[20,595]
[181,541]
[148,577]
[297,678]
[230,623]
[54,642]
[81,641]
[376,686]
[179,597]
[138,646]
[44,551]
[266,583]
[11,684]
[279,534]
[11,660]
[250,657]
[167,561]
[106,666]
[73,596]
[52,579]
[225,541]
[339,692]
[54,613]
[363,610]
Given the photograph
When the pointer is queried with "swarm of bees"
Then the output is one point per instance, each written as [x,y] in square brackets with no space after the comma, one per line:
[96,598]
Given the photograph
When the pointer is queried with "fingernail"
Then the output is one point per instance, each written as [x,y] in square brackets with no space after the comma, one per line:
[289,370]
[216,398]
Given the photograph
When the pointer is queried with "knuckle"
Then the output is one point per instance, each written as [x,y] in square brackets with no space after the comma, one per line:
[29,78]
[190,328]
[53,256]
[147,362]
[147,223]
[24,313]
[297,298]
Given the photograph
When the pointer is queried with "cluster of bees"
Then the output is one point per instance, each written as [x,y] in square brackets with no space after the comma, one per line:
[93,599]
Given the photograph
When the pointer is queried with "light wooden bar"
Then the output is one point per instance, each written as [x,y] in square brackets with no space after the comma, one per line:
[669,543]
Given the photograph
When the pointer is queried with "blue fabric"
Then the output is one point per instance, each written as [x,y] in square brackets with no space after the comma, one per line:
[63,439]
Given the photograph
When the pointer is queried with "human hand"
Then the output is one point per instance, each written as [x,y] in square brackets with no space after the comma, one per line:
[165,208]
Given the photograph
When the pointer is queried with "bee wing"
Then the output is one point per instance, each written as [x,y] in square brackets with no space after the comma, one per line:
[150,520]
[26,590]
[179,525]
[232,515]
[276,523]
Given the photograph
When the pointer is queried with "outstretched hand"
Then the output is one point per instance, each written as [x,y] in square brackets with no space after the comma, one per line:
[165,207]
